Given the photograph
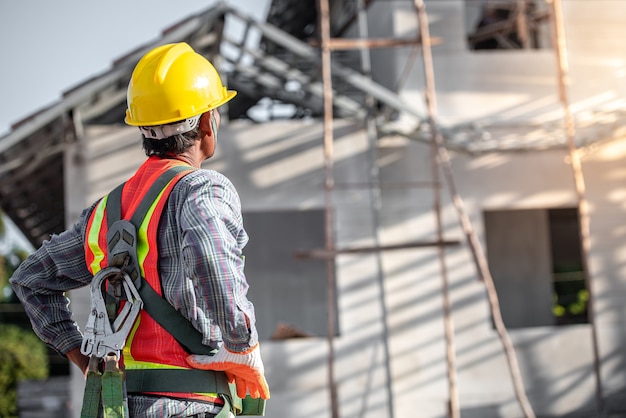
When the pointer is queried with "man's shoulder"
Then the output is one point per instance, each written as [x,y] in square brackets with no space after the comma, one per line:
[203,175]
[202,178]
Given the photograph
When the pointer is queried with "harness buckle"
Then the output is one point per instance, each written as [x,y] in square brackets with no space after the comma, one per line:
[101,337]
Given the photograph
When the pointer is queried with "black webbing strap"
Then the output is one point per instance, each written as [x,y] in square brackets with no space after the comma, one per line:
[173,322]
[177,381]
[159,309]
[187,381]
[114,205]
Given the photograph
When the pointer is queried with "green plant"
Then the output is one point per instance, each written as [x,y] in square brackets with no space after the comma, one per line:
[11,256]
[22,356]
[8,264]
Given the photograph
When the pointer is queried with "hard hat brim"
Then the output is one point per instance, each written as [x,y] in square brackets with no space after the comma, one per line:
[227,97]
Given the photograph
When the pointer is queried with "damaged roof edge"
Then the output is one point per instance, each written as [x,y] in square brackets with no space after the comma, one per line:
[120,67]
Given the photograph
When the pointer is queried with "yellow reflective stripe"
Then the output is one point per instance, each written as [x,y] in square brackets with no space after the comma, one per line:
[146,365]
[94,234]
[143,246]
[128,357]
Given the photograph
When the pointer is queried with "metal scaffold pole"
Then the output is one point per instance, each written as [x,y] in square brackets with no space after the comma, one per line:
[454,410]
[479,257]
[579,180]
[375,204]
[324,25]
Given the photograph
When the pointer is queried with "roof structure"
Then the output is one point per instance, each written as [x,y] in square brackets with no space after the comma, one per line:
[283,65]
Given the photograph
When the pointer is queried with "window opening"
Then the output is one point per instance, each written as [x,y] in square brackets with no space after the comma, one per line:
[568,277]
[290,294]
[535,259]
[508,24]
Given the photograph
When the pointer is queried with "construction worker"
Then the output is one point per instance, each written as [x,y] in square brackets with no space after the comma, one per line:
[189,252]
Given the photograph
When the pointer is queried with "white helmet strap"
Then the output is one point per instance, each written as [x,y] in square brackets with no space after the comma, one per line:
[171,129]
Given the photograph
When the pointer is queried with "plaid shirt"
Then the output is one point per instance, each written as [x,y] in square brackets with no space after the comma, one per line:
[201,237]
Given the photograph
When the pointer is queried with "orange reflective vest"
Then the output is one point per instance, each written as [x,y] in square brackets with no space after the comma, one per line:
[149,345]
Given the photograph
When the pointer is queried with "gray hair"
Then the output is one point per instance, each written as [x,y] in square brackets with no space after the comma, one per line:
[172,145]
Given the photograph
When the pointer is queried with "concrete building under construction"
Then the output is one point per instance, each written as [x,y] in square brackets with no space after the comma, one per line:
[400,163]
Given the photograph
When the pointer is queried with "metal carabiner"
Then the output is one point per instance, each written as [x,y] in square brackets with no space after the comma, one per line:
[102,338]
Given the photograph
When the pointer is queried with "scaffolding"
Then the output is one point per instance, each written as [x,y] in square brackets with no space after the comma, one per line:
[518,22]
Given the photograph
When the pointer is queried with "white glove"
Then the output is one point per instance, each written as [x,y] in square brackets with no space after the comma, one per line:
[244,369]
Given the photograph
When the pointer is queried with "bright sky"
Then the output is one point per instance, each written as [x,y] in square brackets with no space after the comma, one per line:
[48,46]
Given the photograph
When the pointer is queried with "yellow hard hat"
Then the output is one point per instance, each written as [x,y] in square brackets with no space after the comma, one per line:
[172,83]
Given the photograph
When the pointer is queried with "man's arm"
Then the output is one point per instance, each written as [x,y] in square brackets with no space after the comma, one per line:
[213,240]
[41,281]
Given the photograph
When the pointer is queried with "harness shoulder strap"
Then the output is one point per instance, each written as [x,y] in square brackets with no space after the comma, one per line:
[114,201]
[174,322]
[159,309]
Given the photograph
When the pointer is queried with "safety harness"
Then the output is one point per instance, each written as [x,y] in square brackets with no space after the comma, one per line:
[121,285]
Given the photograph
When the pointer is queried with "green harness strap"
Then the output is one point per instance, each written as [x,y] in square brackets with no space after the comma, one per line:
[113,401]
[105,391]
[159,309]
[91,397]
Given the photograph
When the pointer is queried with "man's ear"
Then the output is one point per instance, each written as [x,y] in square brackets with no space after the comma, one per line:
[205,123]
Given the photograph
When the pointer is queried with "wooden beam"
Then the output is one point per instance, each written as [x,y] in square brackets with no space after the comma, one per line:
[330,253]
[338,44]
